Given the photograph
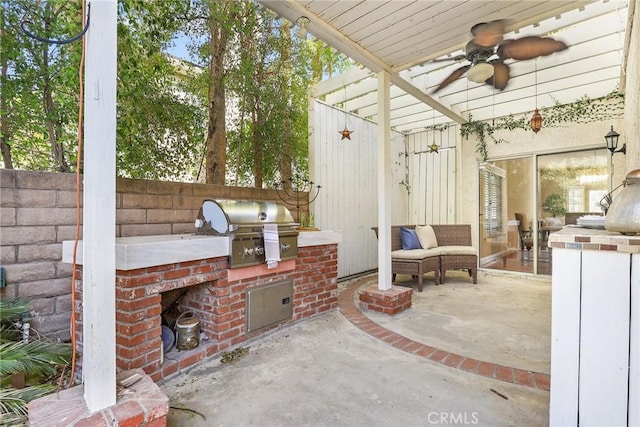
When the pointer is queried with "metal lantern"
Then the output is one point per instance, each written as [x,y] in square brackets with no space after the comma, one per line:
[536,121]
[612,142]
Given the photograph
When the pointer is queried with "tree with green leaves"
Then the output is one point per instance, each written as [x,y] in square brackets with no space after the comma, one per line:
[269,79]
[214,25]
[241,111]
[39,96]
[160,122]
[160,126]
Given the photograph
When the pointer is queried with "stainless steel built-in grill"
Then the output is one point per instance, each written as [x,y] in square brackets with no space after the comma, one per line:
[247,222]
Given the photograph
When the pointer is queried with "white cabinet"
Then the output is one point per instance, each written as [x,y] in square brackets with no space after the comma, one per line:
[595,327]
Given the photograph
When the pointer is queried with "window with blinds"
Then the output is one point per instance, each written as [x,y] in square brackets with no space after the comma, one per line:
[493,200]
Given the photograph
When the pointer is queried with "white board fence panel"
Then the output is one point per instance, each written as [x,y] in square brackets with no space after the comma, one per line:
[432,176]
[346,170]
[424,185]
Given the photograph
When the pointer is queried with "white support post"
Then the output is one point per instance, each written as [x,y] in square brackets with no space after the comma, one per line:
[99,214]
[384,182]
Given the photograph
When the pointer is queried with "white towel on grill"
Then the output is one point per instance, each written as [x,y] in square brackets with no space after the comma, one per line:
[271,244]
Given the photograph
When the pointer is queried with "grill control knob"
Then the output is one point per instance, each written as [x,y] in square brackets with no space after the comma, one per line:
[248,251]
[285,247]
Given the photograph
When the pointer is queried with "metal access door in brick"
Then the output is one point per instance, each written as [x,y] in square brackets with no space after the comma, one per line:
[269,304]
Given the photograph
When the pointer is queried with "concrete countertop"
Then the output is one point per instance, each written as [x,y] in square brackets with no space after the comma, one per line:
[581,238]
[148,251]
[318,238]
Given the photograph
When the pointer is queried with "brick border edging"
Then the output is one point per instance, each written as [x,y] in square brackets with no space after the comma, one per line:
[143,404]
[508,374]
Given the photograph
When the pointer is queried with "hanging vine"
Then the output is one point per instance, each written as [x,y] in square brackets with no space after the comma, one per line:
[583,110]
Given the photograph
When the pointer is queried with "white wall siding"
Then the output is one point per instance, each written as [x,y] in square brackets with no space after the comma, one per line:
[346,170]
[432,176]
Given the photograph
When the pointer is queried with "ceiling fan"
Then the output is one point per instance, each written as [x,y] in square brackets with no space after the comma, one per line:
[487,52]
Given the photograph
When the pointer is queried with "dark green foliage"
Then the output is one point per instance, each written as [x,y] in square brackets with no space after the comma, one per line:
[39,86]
[40,359]
[162,104]
[555,205]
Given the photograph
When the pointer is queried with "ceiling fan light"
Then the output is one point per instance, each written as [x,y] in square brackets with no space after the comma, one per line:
[480,72]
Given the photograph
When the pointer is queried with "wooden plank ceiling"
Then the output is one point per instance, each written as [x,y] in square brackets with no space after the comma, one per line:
[404,37]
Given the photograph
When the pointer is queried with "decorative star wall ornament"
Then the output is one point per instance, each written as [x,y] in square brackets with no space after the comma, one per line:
[433,148]
[346,133]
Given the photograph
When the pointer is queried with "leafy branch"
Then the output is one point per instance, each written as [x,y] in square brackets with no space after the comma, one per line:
[41,363]
[583,110]
[482,130]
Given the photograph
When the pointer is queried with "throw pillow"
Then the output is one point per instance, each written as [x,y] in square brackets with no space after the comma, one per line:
[409,239]
[426,236]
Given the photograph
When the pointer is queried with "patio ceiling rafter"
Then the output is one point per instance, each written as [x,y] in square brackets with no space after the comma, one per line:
[404,37]
[558,8]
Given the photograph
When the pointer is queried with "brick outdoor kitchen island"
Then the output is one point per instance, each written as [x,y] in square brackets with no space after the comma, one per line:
[151,265]
[217,295]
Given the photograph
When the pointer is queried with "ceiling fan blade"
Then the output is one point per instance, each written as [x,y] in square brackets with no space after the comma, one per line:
[488,34]
[500,76]
[453,58]
[452,77]
[529,47]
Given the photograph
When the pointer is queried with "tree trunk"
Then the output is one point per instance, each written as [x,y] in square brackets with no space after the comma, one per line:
[51,120]
[258,168]
[4,119]
[216,143]
[286,90]
[316,61]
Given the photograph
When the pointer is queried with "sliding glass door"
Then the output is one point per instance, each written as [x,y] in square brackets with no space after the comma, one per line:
[516,216]
[569,185]
[508,246]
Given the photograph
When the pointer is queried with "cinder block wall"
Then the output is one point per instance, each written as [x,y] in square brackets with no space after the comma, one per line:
[37,213]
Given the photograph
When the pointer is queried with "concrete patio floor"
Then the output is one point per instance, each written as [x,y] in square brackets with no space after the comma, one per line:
[342,369]
[502,319]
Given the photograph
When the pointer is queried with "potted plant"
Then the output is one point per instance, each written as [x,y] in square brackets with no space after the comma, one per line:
[554,204]
[307,222]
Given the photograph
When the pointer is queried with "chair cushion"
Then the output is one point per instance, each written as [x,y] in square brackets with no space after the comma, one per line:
[457,250]
[553,222]
[426,236]
[414,253]
[409,239]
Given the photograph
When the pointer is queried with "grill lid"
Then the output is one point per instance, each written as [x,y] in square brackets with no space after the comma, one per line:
[226,216]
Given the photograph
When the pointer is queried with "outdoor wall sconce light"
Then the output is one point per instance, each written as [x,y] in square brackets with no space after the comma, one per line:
[612,142]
